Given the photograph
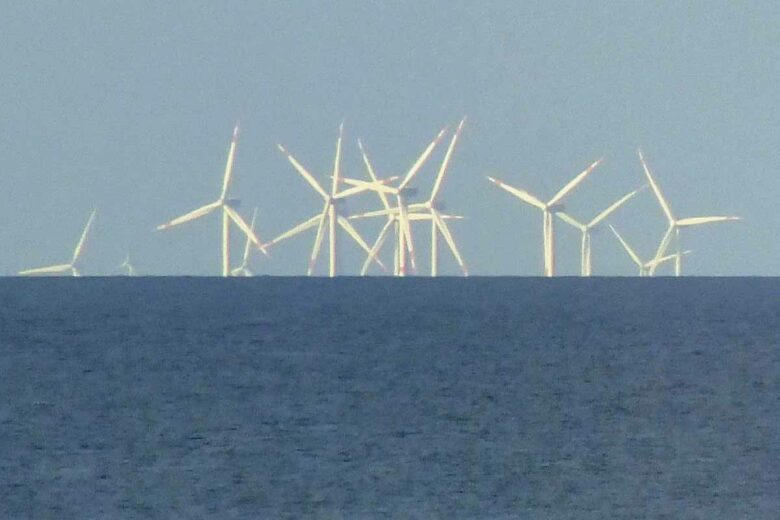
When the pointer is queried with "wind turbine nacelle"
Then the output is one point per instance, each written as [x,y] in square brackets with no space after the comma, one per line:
[555,208]
[409,192]
[233,203]
[439,206]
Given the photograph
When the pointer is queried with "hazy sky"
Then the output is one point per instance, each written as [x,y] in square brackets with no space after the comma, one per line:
[129,108]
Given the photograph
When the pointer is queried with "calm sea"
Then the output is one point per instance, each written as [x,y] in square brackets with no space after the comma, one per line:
[370,398]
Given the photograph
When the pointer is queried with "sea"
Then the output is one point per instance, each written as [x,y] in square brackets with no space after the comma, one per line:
[271,397]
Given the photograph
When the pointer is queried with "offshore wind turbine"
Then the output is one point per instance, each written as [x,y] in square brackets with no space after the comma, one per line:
[675,224]
[243,269]
[330,216]
[432,207]
[548,209]
[645,268]
[127,266]
[586,268]
[228,212]
[398,216]
[71,267]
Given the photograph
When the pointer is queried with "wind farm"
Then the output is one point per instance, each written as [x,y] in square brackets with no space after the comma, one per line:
[401,210]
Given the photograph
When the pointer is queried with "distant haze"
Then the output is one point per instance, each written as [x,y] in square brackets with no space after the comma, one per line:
[129,108]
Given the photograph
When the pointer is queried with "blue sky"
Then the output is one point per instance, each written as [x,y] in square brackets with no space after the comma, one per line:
[129,108]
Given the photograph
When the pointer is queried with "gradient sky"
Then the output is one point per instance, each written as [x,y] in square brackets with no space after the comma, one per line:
[129,108]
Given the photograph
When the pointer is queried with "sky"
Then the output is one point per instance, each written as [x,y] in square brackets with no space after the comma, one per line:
[129,108]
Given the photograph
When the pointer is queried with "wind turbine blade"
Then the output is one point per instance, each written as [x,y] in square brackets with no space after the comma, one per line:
[406,231]
[573,183]
[375,213]
[695,221]
[445,163]
[53,269]
[361,187]
[421,160]
[248,245]
[571,220]
[658,195]
[520,194]
[303,226]
[304,173]
[192,215]
[628,249]
[663,245]
[315,251]
[445,231]
[74,271]
[372,174]
[351,231]
[615,205]
[80,246]
[229,163]
[380,240]
[337,161]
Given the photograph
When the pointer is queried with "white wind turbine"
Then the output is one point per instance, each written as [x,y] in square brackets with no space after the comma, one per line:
[673,231]
[71,267]
[243,269]
[586,229]
[645,268]
[548,209]
[330,216]
[127,266]
[228,213]
[398,216]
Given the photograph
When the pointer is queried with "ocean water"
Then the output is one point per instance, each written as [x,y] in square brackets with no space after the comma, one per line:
[390,398]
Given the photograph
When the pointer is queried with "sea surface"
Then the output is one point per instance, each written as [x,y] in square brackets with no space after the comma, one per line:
[598,398]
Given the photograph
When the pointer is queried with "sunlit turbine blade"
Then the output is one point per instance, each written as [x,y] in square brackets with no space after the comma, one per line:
[445,163]
[615,205]
[248,231]
[571,220]
[573,183]
[664,244]
[229,163]
[74,271]
[695,221]
[375,213]
[303,226]
[372,174]
[628,249]
[656,190]
[304,173]
[80,246]
[53,269]
[520,194]
[337,161]
[406,231]
[380,240]
[421,160]
[361,186]
[192,215]
[445,231]
[351,231]
[315,251]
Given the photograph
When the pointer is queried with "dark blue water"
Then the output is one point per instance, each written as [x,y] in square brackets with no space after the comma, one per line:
[415,398]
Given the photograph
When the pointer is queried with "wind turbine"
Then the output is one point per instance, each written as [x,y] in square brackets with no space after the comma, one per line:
[432,207]
[71,267]
[228,213]
[645,268]
[673,231]
[127,266]
[586,229]
[398,216]
[243,269]
[548,209]
[330,215]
